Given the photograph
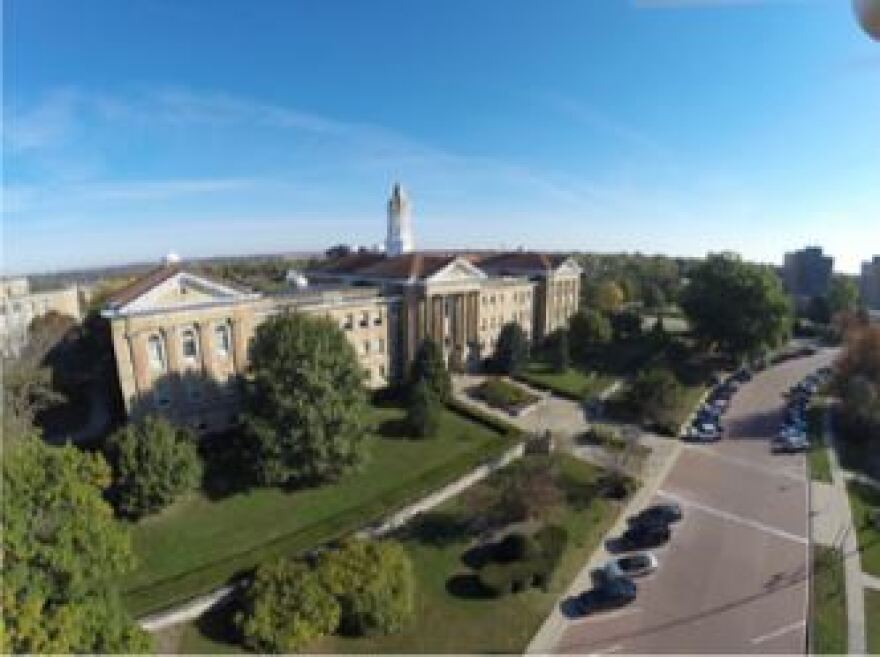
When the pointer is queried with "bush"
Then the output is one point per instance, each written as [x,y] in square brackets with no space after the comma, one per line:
[373,582]
[559,351]
[498,393]
[539,557]
[153,462]
[489,421]
[513,547]
[511,350]
[286,607]
[428,366]
[603,436]
[655,396]
[424,411]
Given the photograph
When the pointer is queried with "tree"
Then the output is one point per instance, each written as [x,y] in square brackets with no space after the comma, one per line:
[843,295]
[286,607]
[857,379]
[588,329]
[511,350]
[653,296]
[737,307]
[62,554]
[528,490]
[609,297]
[428,366]
[373,582]
[818,310]
[626,325]
[559,351]
[655,395]
[153,462]
[305,408]
[424,411]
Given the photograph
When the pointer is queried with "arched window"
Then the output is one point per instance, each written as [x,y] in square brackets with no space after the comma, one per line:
[189,345]
[156,353]
[222,340]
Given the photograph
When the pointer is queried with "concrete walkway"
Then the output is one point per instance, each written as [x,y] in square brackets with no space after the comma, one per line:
[837,518]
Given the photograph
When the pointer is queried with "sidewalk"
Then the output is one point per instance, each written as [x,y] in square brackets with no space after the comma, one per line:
[833,525]
[664,453]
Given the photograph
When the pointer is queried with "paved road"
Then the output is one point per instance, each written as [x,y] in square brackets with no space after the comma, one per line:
[733,578]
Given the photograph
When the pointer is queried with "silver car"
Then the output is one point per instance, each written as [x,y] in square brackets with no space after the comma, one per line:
[637,564]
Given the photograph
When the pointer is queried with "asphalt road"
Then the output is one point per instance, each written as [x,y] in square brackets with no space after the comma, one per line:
[733,577]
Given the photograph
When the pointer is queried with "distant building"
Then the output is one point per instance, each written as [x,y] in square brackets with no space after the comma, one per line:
[181,340]
[807,273]
[869,283]
[19,307]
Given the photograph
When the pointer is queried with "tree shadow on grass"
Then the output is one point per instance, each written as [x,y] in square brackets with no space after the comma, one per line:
[438,529]
[467,585]
[218,626]
[225,465]
[396,428]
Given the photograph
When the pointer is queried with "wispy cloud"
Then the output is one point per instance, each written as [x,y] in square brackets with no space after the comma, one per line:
[45,125]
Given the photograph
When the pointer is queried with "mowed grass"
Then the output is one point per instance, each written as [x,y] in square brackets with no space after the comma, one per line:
[199,543]
[445,622]
[828,623]
[817,457]
[872,620]
[863,499]
[574,382]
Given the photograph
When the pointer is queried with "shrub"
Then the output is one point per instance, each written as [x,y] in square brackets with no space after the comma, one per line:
[513,547]
[428,366]
[285,608]
[539,557]
[511,350]
[153,462]
[373,582]
[559,351]
[424,411]
[498,393]
[603,436]
[655,396]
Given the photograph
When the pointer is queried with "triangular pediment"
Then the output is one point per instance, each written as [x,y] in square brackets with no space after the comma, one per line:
[180,291]
[569,266]
[457,270]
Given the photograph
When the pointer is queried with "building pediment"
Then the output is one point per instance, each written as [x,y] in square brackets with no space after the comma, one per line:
[569,266]
[457,271]
[178,291]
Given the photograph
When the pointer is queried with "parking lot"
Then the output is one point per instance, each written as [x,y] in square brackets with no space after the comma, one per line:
[732,579]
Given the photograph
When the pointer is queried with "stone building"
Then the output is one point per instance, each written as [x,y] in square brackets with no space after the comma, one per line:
[19,306]
[869,283]
[181,340]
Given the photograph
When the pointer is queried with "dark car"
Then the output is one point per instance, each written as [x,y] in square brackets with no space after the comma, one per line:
[743,374]
[612,593]
[657,514]
[641,536]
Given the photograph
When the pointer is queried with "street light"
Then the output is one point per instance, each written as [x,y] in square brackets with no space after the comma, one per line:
[868,13]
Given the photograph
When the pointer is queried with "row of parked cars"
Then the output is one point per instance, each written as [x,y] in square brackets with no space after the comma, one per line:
[792,434]
[613,585]
[706,427]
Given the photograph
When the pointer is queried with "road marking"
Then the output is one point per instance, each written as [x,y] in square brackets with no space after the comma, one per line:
[734,518]
[609,650]
[777,633]
[782,472]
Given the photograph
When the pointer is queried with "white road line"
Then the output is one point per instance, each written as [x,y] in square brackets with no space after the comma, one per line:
[779,632]
[609,650]
[782,472]
[734,518]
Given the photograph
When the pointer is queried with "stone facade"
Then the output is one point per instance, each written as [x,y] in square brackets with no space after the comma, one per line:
[19,306]
[807,274]
[869,283]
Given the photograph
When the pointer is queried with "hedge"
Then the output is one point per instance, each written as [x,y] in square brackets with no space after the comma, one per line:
[481,417]
[540,385]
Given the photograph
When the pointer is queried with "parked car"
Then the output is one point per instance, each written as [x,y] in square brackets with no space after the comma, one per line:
[632,565]
[613,593]
[698,435]
[645,534]
[743,374]
[789,444]
[662,514]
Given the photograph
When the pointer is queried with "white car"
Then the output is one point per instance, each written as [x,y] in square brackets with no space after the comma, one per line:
[638,564]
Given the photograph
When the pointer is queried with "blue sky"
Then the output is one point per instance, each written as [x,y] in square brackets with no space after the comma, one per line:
[675,126]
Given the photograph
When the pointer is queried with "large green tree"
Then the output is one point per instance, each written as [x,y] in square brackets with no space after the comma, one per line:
[285,607]
[428,366]
[374,584]
[153,462]
[843,295]
[305,407]
[737,307]
[424,411]
[857,375]
[511,350]
[588,329]
[558,350]
[63,551]
[654,396]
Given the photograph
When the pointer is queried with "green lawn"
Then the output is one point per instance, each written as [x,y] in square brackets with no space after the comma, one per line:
[199,543]
[872,620]
[828,624]
[574,382]
[817,457]
[862,499]
[446,622]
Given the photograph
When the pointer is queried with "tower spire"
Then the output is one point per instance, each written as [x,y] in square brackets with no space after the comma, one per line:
[400,238]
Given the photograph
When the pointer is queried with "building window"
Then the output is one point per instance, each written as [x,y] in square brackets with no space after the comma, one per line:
[492,299]
[189,346]
[365,319]
[349,322]
[483,324]
[162,394]
[156,353]
[377,320]
[366,346]
[380,346]
[382,372]
[222,340]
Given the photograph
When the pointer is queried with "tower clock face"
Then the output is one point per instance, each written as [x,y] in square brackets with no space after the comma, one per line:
[868,12]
